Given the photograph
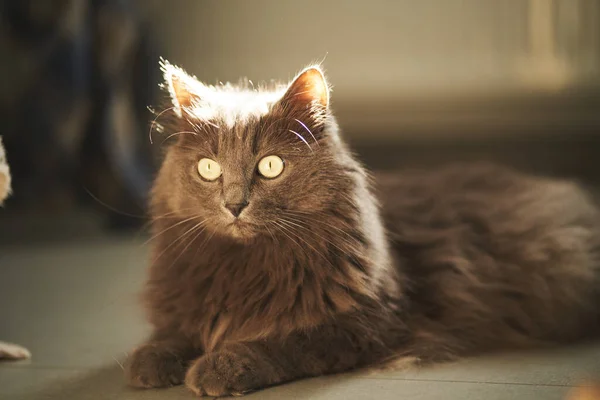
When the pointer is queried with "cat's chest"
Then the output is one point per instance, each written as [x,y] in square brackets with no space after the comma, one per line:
[233,293]
[242,294]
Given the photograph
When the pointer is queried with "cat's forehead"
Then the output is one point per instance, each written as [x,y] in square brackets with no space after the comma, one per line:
[230,105]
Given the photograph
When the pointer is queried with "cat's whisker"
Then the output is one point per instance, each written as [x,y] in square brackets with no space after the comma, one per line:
[168,229]
[119,362]
[302,225]
[308,130]
[292,225]
[292,232]
[281,229]
[314,218]
[103,204]
[178,133]
[165,216]
[200,231]
[301,138]
[277,224]
[270,233]
[172,214]
[153,124]
[179,239]
[207,239]
[316,214]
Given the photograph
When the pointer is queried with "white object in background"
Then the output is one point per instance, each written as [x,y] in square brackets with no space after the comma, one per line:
[4,175]
[9,351]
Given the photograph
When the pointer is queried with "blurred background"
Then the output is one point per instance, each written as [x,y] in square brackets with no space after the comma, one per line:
[414,83]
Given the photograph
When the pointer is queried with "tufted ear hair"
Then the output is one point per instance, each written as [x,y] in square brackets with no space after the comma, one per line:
[306,100]
[184,89]
[308,89]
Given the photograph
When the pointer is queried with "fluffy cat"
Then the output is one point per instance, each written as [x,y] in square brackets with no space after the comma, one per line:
[273,259]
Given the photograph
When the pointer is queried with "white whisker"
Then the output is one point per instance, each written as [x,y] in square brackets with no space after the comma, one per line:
[118,362]
[308,130]
[154,122]
[291,231]
[321,222]
[169,228]
[301,138]
[200,231]
[182,236]
[308,229]
[178,133]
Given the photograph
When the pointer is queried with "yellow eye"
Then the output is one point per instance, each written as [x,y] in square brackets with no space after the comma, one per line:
[270,166]
[209,169]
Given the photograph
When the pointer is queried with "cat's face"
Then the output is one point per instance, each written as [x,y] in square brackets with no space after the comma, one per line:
[250,163]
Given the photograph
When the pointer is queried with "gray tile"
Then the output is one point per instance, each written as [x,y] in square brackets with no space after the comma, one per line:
[334,388]
[22,382]
[564,366]
[107,384]
[97,384]
[73,305]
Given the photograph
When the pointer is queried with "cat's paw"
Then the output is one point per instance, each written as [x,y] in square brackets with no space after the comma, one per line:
[154,366]
[225,373]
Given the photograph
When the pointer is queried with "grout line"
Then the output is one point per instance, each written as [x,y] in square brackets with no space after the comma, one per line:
[467,381]
[88,368]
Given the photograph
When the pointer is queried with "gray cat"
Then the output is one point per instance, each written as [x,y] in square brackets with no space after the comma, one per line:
[273,260]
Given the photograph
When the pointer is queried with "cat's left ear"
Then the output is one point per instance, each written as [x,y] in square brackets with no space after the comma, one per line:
[308,93]
[183,88]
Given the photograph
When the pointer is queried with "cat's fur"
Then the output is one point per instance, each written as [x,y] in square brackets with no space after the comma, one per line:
[314,279]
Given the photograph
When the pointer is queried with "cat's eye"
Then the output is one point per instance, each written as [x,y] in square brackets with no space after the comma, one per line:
[270,166]
[209,169]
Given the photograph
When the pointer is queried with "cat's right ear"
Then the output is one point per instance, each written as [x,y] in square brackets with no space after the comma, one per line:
[307,98]
[183,88]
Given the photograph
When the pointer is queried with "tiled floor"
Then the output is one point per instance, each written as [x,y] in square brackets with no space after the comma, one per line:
[74,306]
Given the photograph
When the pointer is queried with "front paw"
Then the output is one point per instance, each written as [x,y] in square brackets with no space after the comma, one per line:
[227,373]
[154,365]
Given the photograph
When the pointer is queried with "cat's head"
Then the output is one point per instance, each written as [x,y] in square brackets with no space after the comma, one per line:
[251,161]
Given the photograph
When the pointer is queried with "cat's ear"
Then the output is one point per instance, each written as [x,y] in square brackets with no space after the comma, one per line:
[308,92]
[183,88]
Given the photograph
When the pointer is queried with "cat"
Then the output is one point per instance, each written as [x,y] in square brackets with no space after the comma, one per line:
[276,257]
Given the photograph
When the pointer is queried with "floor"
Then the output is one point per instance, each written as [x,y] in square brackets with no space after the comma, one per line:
[74,306]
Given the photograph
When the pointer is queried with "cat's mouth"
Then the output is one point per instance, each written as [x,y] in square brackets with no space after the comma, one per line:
[241,229]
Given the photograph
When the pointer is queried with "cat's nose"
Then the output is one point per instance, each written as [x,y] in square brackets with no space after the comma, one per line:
[236,208]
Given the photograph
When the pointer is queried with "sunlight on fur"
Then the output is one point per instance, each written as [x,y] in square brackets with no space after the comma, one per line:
[234,104]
